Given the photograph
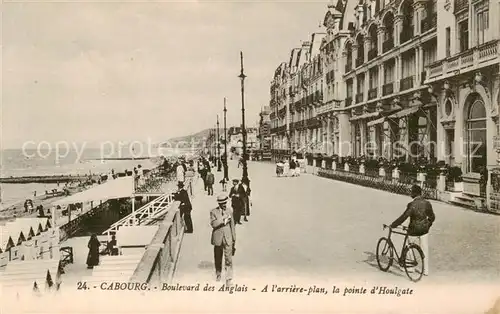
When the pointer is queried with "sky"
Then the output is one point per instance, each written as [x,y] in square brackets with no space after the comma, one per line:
[108,71]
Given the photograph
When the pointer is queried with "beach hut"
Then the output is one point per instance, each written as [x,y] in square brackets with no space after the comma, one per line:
[46,242]
[6,244]
[25,248]
[17,237]
[41,239]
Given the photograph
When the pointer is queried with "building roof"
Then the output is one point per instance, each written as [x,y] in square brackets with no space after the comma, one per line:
[12,233]
[24,226]
[316,39]
[35,223]
[118,188]
[294,56]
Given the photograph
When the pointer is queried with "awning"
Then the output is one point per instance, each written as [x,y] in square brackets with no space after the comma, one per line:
[113,189]
[375,122]
[366,116]
[404,113]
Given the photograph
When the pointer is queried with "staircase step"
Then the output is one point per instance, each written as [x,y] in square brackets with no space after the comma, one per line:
[119,262]
[466,203]
[112,267]
[120,258]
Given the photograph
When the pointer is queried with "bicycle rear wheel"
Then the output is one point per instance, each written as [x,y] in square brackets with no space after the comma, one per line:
[385,251]
[413,258]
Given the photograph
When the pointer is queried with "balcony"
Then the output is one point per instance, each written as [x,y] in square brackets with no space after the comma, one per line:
[359,98]
[348,65]
[429,23]
[407,83]
[348,101]
[313,123]
[466,61]
[406,34]
[281,129]
[460,5]
[372,93]
[328,107]
[359,61]
[388,44]
[388,89]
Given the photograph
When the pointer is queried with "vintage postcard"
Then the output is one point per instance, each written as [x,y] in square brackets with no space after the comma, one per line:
[217,156]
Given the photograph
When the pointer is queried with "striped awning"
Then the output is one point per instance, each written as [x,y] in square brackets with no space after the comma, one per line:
[365,116]
[375,122]
[404,113]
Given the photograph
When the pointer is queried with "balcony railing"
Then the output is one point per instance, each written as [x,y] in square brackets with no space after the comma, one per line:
[388,44]
[312,123]
[372,93]
[359,98]
[407,83]
[281,129]
[460,5]
[388,89]
[348,101]
[429,23]
[348,65]
[465,61]
[359,61]
[406,34]
[328,107]
[372,53]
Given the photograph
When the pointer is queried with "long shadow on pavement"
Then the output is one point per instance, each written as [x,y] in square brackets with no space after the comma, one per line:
[371,260]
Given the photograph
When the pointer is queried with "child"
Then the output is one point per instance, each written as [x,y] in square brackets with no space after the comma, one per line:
[223,182]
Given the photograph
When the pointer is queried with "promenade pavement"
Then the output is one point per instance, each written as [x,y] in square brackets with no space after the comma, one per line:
[321,229]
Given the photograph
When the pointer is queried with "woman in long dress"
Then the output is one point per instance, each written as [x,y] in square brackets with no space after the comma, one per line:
[93,257]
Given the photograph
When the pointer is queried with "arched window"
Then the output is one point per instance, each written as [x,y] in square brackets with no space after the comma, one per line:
[476,137]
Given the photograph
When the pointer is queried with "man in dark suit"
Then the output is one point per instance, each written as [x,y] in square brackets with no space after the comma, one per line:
[185,206]
[223,238]
[237,195]
[421,219]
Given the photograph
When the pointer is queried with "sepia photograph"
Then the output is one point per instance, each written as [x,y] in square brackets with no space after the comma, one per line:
[239,156]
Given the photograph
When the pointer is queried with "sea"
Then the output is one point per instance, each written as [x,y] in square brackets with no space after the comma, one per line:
[19,162]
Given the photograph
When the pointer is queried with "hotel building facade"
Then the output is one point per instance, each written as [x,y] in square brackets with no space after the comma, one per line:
[404,79]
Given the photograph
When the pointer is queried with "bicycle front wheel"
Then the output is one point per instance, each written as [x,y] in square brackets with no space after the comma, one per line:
[385,251]
[413,258]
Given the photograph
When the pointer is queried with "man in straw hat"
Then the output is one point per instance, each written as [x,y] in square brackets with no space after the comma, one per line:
[223,238]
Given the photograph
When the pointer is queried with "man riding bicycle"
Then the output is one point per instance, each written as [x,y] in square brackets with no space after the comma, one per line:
[421,219]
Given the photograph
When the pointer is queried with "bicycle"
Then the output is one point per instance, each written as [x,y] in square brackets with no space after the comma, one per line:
[412,256]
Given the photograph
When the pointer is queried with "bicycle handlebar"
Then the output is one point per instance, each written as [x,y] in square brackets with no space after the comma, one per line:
[402,227]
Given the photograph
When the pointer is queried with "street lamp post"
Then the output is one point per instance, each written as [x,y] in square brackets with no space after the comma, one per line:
[226,174]
[242,77]
[218,147]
